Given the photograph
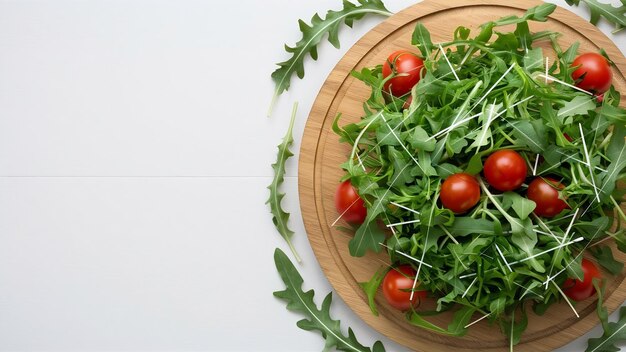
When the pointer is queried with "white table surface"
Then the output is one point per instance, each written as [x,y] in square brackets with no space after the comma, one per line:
[134,156]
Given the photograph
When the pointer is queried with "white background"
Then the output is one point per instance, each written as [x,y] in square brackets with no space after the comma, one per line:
[134,156]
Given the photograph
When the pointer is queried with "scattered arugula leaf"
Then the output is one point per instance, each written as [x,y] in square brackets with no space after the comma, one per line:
[312,35]
[281,217]
[614,332]
[615,15]
[316,318]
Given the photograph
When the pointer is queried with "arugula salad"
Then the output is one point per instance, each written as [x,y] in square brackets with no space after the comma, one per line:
[488,173]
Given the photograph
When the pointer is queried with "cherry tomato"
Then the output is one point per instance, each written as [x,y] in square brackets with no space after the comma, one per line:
[594,73]
[397,286]
[546,196]
[460,192]
[505,170]
[406,68]
[348,203]
[580,290]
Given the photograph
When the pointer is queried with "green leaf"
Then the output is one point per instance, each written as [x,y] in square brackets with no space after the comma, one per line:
[616,151]
[614,332]
[533,60]
[371,287]
[521,205]
[367,237]
[312,35]
[281,217]
[611,13]
[615,114]
[514,329]
[580,105]
[460,320]
[419,140]
[604,255]
[421,39]
[538,13]
[464,226]
[318,319]
[475,165]
[528,136]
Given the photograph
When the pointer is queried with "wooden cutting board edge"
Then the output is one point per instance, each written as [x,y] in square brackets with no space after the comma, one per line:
[311,206]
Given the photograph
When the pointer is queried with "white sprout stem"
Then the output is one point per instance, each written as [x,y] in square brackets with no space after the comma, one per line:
[477,320]
[358,138]
[495,84]
[443,52]
[527,289]
[468,287]
[578,160]
[547,77]
[467,275]
[453,126]
[545,227]
[535,166]
[503,258]
[403,146]
[593,181]
[571,223]
[572,108]
[348,208]
[344,213]
[450,236]
[566,299]
[486,125]
[361,162]
[403,223]
[405,208]
[406,255]
[547,251]
[419,267]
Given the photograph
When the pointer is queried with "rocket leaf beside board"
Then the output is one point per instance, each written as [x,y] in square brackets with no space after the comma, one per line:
[312,35]
[280,216]
[316,318]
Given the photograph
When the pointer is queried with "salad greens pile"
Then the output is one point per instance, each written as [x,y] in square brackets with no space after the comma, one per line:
[479,94]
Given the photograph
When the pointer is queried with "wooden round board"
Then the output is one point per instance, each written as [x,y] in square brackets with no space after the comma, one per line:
[321,155]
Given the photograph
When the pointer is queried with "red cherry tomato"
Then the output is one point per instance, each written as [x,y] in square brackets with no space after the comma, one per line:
[460,192]
[348,203]
[406,68]
[580,290]
[546,196]
[505,170]
[594,73]
[397,286]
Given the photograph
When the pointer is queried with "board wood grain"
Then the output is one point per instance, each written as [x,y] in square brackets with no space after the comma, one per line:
[319,173]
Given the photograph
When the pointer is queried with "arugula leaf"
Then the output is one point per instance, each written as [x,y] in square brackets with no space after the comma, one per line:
[604,255]
[367,237]
[281,217]
[615,15]
[616,151]
[316,318]
[580,105]
[371,287]
[312,35]
[521,205]
[614,332]
[421,39]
